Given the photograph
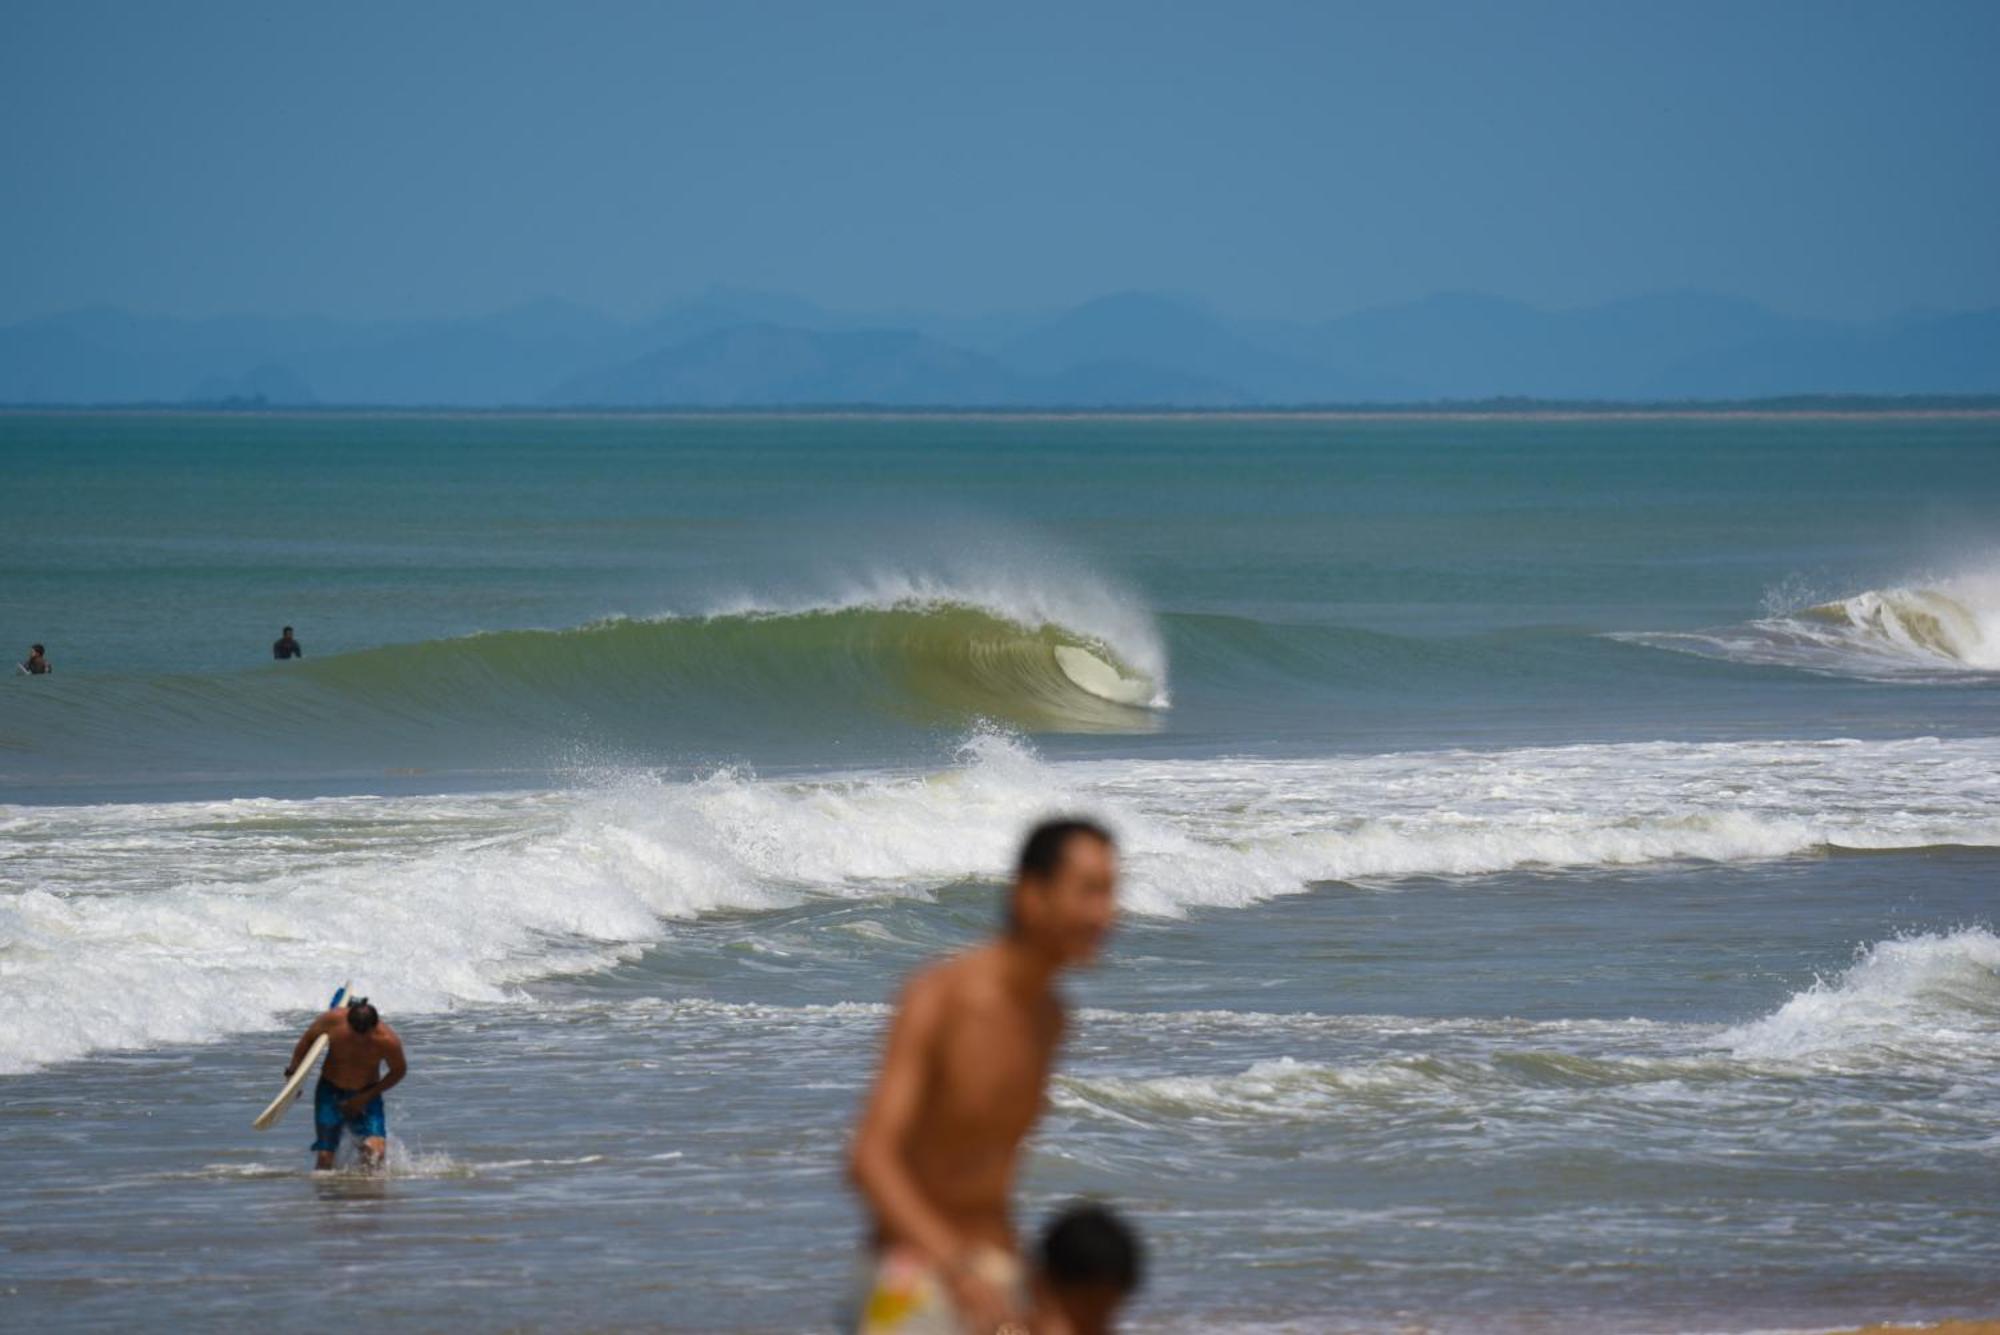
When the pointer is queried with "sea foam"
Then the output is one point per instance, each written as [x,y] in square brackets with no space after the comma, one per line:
[130,925]
[1925,995]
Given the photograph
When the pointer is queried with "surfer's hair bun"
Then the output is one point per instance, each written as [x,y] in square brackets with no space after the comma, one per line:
[361,1017]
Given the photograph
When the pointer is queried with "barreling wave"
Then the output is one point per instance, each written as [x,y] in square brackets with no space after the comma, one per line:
[945,658]
[722,684]
[1944,631]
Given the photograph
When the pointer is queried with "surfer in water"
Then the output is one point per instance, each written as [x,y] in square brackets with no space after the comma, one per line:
[286,647]
[961,1084]
[351,1083]
[37,662]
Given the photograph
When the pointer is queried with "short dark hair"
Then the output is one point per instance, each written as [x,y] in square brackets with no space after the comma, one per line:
[1043,851]
[36,649]
[362,1017]
[288,630]
[1088,1245]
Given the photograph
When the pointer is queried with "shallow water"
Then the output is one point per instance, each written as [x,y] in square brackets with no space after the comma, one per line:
[1541,915]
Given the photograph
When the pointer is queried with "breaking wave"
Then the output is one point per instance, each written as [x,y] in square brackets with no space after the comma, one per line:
[1928,995]
[1944,631]
[725,682]
[957,659]
[129,925]
[1923,1006]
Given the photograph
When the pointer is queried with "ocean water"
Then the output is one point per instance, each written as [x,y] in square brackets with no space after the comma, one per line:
[1561,856]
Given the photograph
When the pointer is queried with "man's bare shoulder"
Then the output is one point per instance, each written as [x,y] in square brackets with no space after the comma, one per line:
[978,968]
[953,983]
[971,982]
[935,983]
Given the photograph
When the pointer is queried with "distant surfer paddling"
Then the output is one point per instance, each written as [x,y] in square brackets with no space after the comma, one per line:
[352,1083]
[961,1084]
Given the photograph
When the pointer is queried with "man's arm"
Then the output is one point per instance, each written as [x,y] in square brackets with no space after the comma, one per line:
[313,1031]
[876,1161]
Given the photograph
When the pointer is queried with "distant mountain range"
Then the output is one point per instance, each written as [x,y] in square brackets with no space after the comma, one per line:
[735,349]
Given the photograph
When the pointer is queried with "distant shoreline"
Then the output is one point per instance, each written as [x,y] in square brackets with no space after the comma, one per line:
[1802,408]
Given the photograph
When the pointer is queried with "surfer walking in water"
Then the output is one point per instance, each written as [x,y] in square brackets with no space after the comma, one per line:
[961,1084]
[36,664]
[352,1083]
[286,646]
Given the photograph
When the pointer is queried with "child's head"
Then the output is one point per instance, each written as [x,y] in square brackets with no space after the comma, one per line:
[1091,1262]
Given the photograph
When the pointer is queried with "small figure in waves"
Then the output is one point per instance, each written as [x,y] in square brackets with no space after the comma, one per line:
[37,662]
[286,647]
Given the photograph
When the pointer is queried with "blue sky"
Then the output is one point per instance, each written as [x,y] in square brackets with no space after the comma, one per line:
[1283,160]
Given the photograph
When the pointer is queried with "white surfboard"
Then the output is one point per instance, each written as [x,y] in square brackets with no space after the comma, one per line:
[276,1109]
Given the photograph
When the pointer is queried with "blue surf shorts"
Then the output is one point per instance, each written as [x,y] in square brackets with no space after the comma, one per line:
[329,1123]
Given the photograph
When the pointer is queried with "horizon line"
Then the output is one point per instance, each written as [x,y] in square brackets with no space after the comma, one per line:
[1201,304]
[1955,407]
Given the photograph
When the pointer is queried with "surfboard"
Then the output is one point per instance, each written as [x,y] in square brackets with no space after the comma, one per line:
[276,1108]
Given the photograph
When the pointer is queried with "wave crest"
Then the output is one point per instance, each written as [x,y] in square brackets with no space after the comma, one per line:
[1930,995]
[951,659]
[1948,630]
[1957,624]
[746,681]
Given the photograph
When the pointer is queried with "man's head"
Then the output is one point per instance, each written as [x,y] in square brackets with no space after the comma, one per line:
[1065,888]
[362,1017]
[288,633]
[36,651]
[1091,1263]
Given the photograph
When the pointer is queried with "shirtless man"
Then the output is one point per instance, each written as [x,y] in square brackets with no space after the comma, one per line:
[351,1083]
[961,1085]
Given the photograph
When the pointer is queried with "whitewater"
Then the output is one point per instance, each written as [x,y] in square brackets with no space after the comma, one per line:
[1559,858]
[447,901]
[1940,629]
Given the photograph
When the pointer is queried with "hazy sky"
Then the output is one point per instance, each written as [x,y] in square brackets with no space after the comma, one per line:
[1273,159]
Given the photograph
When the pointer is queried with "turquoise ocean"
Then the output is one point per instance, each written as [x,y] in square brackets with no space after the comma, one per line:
[1562,856]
